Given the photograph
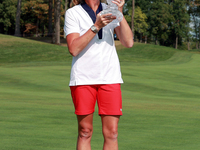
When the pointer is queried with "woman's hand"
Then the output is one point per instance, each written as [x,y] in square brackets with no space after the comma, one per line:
[103,20]
[120,4]
[77,43]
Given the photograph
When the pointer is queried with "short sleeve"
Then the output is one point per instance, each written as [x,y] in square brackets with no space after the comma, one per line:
[71,23]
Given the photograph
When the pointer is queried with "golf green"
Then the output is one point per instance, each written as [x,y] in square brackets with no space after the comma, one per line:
[161,98]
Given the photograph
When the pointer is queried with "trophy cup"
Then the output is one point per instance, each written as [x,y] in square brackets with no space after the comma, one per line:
[113,9]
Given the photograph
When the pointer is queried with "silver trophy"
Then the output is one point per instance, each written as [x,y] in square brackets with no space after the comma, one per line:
[113,9]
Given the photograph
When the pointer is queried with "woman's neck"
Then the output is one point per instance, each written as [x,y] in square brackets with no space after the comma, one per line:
[93,4]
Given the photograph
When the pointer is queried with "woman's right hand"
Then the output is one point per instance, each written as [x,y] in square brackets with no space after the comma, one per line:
[77,43]
[103,20]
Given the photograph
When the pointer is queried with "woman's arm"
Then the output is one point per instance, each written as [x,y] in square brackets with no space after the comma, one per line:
[123,31]
[77,43]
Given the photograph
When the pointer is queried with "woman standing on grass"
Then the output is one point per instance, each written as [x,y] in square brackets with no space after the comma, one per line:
[95,73]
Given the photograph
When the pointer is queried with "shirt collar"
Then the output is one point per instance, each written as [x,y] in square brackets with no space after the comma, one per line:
[92,15]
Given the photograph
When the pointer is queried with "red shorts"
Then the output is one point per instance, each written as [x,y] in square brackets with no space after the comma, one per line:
[108,97]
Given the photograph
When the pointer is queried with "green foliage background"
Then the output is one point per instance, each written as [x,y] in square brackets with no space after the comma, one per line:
[167,20]
[159,21]
[7,15]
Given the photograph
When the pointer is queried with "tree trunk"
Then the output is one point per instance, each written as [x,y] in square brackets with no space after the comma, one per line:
[197,44]
[43,29]
[50,18]
[156,42]
[132,17]
[57,21]
[196,41]
[17,23]
[199,35]
[140,37]
[145,39]
[54,20]
[176,46]
[66,7]
[188,45]
[37,26]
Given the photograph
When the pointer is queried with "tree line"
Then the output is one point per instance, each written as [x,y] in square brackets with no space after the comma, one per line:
[37,18]
[174,23]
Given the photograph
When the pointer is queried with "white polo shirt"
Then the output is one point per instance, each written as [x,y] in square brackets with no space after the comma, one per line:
[98,62]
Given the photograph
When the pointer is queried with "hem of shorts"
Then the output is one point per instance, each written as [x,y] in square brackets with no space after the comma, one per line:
[76,84]
[84,113]
[111,114]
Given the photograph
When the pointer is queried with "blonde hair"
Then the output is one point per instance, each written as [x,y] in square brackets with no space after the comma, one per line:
[76,2]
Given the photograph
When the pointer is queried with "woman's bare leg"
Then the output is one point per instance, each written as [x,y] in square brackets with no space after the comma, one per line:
[85,129]
[110,132]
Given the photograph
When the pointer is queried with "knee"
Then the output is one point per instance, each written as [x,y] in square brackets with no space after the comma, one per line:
[111,133]
[85,133]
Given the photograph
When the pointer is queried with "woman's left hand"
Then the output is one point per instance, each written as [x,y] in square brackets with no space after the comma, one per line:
[120,4]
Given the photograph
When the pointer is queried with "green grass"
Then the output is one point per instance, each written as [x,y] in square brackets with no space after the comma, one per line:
[161,98]
[19,50]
